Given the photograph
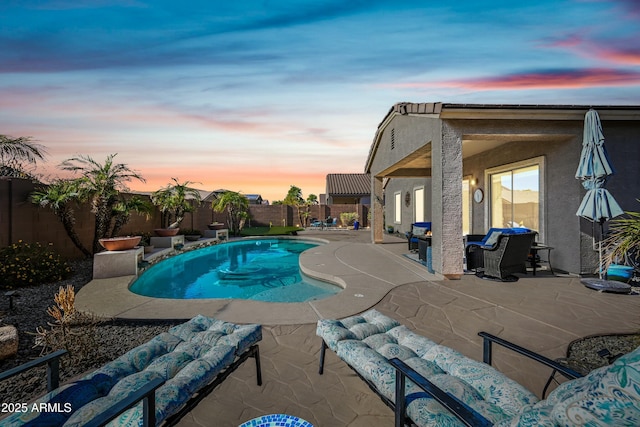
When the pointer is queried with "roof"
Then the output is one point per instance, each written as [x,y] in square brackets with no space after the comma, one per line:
[499,111]
[348,184]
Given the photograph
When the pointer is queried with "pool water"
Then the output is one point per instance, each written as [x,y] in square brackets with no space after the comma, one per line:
[253,269]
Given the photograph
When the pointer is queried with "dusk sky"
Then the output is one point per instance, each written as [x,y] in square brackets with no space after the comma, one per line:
[255,96]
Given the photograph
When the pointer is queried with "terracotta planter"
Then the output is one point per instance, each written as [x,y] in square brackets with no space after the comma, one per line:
[216,226]
[166,232]
[192,237]
[120,243]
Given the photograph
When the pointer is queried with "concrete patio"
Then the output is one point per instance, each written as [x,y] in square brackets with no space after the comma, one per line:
[544,313]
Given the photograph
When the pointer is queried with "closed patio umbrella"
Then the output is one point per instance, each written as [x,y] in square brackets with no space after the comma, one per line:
[598,205]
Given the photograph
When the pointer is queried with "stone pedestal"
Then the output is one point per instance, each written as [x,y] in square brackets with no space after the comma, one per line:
[117,263]
[217,234]
[167,242]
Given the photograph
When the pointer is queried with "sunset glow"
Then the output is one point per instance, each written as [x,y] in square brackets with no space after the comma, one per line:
[256,98]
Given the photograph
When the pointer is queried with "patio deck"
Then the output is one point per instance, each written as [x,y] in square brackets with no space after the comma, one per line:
[543,313]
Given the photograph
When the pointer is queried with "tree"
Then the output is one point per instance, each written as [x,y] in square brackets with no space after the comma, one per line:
[237,207]
[60,196]
[101,184]
[174,202]
[294,198]
[15,153]
[123,209]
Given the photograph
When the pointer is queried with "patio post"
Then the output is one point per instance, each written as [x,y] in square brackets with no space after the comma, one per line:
[377,217]
[446,208]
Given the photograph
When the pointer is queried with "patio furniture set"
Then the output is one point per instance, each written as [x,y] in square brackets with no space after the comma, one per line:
[426,384]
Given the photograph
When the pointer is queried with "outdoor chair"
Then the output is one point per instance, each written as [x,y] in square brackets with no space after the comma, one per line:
[504,258]
[427,384]
[156,382]
[417,229]
[476,244]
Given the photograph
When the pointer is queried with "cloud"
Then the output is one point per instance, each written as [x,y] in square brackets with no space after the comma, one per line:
[552,79]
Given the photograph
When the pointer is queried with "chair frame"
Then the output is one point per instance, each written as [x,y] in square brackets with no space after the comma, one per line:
[501,261]
[146,394]
[464,413]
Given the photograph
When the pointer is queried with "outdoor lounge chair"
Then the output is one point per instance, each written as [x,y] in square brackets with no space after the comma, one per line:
[432,385]
[501,253]
[417,229]
[156,382]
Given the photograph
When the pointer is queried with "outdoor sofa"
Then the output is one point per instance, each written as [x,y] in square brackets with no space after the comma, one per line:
[501,253]
[418,229]
[432,385]
[156,382]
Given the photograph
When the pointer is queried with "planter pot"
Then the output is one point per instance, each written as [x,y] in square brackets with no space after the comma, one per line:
[192,237]
[166,232]
[120,243]
[216,226]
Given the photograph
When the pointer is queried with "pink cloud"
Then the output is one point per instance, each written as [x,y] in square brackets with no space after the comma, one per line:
[563,79]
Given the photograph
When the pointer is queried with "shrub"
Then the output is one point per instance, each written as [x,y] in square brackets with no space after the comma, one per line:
[348,218]
[27,264]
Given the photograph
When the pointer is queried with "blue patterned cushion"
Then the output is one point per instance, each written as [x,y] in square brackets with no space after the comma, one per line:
[241,336]
[167,366]
[333,331]
[73,396]
[612,398]
[406,337]
[390,351]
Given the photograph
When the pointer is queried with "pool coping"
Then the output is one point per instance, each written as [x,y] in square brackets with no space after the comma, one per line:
[367,272]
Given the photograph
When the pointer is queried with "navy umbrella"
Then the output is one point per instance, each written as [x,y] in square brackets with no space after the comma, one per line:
[598,205]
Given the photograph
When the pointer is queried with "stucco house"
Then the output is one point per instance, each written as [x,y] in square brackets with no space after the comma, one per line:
[469,167]
[348,188]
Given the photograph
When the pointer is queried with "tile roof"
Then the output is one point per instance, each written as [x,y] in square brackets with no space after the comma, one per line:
[348,184]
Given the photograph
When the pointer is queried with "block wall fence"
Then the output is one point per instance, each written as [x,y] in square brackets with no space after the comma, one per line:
[21,220]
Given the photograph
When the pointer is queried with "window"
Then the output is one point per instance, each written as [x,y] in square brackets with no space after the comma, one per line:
[466,206]
[398,207]
[516,195]
[418,202]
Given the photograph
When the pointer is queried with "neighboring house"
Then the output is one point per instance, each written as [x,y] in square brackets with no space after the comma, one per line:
[429,160]
[254,199]
[348,188]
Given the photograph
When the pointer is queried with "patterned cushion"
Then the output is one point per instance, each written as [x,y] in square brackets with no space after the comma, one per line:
[187,357]
[419,231]
[612,398]
[366,342]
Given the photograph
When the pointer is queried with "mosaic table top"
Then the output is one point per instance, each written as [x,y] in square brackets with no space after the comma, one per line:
[277,420]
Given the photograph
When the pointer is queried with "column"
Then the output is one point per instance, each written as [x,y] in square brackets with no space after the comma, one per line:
[446,184]
[377,213]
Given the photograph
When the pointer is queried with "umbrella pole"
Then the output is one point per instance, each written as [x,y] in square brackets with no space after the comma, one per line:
[600,248]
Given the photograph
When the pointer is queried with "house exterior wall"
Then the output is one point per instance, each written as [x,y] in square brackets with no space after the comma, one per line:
[404,185]
[557,141]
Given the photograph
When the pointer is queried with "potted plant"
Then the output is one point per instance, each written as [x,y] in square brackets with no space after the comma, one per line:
[174,201]
[191,234]
[122,243]
[623,242]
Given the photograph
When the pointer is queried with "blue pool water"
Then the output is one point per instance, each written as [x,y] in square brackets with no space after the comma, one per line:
[255,269]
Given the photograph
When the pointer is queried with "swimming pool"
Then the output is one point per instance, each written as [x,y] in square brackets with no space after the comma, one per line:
[253,269]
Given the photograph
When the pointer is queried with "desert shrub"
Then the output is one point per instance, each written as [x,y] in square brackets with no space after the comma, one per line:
[348,218]
[27,264]
[70,329]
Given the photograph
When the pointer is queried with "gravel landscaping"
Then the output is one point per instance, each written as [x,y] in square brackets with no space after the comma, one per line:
[106,340]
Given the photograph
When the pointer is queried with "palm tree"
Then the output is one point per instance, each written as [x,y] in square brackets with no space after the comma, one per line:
[237,207]
[101,184]
[15,152]
[174,201]
[122,212]
[59,196]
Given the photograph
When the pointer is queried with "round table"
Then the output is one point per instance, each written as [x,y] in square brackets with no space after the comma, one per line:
[277,420]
